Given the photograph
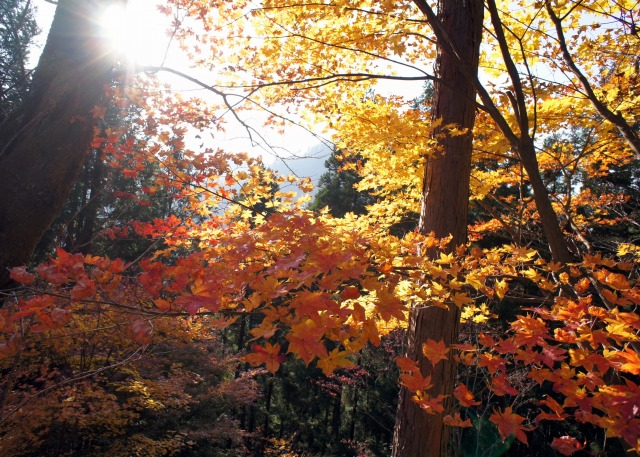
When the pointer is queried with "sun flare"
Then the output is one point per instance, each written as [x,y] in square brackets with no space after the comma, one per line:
[137,31]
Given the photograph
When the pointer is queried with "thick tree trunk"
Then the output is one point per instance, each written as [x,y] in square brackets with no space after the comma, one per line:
[444,211]
[43,146]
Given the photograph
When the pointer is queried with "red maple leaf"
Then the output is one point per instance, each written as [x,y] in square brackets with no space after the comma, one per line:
[566,445]
[510,424]
[500,385]
[21,275]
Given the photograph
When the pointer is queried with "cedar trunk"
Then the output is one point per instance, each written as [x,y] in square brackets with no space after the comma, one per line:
[444,211]
[43,146]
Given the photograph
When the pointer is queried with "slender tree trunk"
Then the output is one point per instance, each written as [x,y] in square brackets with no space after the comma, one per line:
[88,214]
[354,415]
[548,217]
[267,407]
[336,417]
[444,212]
[43,146]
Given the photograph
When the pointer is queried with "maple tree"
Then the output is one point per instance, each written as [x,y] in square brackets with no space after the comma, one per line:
[520,323]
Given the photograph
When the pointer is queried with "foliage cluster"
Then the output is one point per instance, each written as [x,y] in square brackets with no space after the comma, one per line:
[157,347]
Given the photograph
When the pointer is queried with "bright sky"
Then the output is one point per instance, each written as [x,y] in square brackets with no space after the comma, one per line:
[140,33]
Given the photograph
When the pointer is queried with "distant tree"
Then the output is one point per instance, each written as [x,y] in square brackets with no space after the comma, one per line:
[337,189]
[17,30]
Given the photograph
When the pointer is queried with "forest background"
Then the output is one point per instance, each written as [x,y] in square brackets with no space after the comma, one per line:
[465,281]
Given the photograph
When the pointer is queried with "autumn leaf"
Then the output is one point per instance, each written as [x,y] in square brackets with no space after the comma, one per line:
[614,280]
[461,299]
[312,303]
[558,411]
[407,364]
[627,360]
[84,288]
[60,317]
[265,330]
[566,445]
[509,424]
[349,292]
[141,331]
[270,287]
[334,360]
[428,403]
[389,306]
[414,381]
[98,111]
[551,354]
[193,303]
[11,346]
[435,351]
[500,385]
[21,275]
[465,396]
[162,304]
[268,354]
[501,287]
[305,340]
[456,421]
[493,363]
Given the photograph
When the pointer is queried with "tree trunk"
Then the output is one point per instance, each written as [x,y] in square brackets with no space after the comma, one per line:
[444,212]
[43,146]
[336,417]
[548,217]
[354,415]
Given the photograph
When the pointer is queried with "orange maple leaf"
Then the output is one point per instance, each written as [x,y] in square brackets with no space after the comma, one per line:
[492,363]
[313,303]
[558,411]
[193,303]
[510,424]
[456,421]
[407,364]
[268,354]
[465,396]
[305,340]
[84,288]
[430,404]
[389,306]
[435,351]
[334,360]
[415,381]
[632,361]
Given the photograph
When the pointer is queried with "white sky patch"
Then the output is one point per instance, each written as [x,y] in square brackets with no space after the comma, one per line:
[137,31]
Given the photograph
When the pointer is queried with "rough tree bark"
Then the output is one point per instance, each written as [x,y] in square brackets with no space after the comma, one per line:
[43,146]
[444,212]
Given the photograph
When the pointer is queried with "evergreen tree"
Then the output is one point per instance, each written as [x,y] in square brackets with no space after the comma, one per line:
[17,30]
[337,188]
